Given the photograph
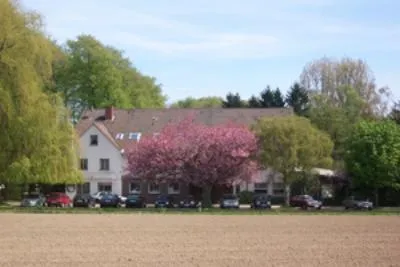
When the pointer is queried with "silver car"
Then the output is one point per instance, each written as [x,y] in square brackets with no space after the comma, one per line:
[358,203]
[33,200]
[229,202]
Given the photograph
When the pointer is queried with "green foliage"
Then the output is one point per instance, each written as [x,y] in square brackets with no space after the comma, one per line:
[233,101]
[373,154]
[395,113]
[290,144]
[92,75]
[246,197]
[202,102]
[337,118]
[38,143]
[298,99]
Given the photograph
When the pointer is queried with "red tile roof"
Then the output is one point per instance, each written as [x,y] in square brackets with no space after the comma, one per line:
[149,121]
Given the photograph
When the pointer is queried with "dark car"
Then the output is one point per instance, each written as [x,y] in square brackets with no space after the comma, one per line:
[359,203]
[189,202]
[229,202]
[58,199]
[164,201]
[84,200]
[33,200]
[305,202]
[135,201]
[261,202]
[110,200]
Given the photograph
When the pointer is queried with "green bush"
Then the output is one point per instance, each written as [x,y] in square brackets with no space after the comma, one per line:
[246,197]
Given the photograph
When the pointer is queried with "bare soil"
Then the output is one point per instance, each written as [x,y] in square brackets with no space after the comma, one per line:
[198,240]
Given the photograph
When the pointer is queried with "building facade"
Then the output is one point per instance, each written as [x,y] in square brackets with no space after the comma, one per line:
[106,133]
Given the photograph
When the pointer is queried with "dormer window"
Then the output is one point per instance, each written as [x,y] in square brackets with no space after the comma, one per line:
[119,136]
[135,136]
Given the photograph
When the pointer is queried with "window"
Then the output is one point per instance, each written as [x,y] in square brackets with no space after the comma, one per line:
[278,189]
[260,186]
[173,188]
[94,140]
[104,187]
[104,164]
[135,136]
[83,188]
[154,188]
[84,164]
[135,187]
[119,136]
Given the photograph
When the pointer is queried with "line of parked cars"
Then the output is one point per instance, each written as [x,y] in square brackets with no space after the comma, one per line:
[227,201]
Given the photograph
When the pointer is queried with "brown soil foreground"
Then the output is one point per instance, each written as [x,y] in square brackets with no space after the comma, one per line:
[193,240]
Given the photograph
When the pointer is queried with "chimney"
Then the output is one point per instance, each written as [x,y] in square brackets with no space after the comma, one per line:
[109,113]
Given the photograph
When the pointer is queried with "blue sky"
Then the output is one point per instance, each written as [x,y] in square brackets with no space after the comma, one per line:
[203,48]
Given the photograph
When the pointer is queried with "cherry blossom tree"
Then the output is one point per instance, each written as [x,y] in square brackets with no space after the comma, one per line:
[197,154]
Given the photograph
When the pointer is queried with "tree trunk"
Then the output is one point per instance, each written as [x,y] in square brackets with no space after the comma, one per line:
[287,195]
[206,196]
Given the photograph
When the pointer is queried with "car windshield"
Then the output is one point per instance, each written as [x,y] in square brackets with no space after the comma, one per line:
[229,197]
[108,196]
[162,198]
[308,197]
[32,196]
[54,195]
[261,197]
[133,196]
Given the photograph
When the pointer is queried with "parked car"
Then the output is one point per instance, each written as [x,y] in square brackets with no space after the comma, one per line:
[305,202]
[189,202]
[84,200]
[99,195]
[57,199]
[229,201]
[261,202]
[164,201]
[33,200]
[353,202]
[135,201]
[110,200]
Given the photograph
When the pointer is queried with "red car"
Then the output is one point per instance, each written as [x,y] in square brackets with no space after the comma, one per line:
[58,200]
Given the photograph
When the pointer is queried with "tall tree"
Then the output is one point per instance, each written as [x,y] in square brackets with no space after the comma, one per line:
[254,102]
[373,157]
[93,75]
[325,76]
[297,98]
[202,102]
[337,119]
[279,100]
[290,144]
[233,101]
[38,143]
[267,98]
[196,154]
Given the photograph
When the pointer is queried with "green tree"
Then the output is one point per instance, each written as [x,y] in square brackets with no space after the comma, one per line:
[395,113]
[254,102]
[373,155]
[297,98]
[337,118]
[202,102]
[279,101]
[38,143]
[290,144]
[93,75]
[233,101]
[267,98]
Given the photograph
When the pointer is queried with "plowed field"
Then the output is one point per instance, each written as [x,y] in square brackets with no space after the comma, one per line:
[198,240]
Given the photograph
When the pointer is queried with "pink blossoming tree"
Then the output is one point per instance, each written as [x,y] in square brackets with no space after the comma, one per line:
[197,154]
